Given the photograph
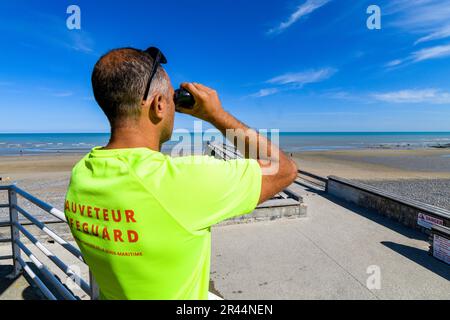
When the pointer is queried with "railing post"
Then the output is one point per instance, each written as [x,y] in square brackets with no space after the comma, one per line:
[95,291]
[15,234]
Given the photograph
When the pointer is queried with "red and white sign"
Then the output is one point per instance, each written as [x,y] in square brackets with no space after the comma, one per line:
[441,248]
[427,221]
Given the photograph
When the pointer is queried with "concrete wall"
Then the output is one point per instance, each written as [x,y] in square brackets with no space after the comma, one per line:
[271,210]
[405,211]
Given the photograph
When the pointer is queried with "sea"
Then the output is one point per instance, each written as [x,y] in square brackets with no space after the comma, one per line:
[12,144]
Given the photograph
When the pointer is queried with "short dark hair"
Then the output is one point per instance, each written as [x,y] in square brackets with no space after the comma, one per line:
[118,80]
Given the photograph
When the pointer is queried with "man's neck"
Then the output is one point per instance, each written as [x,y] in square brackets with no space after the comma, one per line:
[124,138]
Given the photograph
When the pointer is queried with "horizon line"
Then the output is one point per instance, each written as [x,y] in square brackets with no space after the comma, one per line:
[91,132]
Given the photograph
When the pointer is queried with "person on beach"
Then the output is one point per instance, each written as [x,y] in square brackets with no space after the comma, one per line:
[143,219]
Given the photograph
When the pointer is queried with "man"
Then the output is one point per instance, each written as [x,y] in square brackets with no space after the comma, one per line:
[141,218]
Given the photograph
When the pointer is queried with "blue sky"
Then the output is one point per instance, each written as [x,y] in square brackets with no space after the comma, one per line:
[295,65]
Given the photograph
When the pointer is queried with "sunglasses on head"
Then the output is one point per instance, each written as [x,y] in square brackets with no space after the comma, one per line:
[182,97]
[158,58]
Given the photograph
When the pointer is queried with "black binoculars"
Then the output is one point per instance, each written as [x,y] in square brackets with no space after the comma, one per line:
[183,99]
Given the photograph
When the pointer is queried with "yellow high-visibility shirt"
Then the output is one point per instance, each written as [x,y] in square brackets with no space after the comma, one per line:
[142,219]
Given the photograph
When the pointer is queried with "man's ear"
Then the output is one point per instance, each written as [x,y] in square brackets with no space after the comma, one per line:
[156,109]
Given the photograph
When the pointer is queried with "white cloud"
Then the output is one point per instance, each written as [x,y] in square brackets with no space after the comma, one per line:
[433,96]
[291,81]
[80,41]
[422,55]
[49,30]
[302,11]
[345,95]
[441,33]
[418,16]
[428,19]
[431,53]
[394,63]
[265,92]
[302,78]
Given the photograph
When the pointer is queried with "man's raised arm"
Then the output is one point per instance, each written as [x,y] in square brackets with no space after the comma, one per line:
[278,170]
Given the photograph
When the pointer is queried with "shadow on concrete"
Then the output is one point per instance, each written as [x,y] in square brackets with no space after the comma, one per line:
[51,287]
[378,218]
[420,257]
[5,282]
[28,292]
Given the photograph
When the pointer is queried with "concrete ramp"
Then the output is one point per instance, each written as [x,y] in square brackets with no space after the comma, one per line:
[333,253]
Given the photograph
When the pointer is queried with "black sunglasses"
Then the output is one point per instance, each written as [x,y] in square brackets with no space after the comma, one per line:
[158,58]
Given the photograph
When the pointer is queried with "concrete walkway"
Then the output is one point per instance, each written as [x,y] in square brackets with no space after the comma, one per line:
[325,256]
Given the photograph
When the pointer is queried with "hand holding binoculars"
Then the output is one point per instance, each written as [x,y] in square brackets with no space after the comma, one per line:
[183,99]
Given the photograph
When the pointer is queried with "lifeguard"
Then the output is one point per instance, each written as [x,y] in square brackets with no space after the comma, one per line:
[142,219]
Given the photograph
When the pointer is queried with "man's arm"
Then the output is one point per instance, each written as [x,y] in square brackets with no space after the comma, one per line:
[278,170]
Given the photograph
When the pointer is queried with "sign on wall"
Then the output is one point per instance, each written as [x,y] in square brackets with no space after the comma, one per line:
[441,248]
[427,221]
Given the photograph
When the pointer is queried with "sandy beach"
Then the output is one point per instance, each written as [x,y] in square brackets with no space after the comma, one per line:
[403,171]
[422,174]
[378,164]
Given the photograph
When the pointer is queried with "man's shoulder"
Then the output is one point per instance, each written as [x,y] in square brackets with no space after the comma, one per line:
[205,165]
[194,159]
[132,156]
[80,163]
[206,161]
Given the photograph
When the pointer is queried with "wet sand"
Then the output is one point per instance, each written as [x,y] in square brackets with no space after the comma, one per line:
[422,175]
[378,164]
[44,176]
[352,164]
[23,166]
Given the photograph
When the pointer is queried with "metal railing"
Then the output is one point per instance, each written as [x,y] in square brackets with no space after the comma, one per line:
[45,277]
[311,180]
